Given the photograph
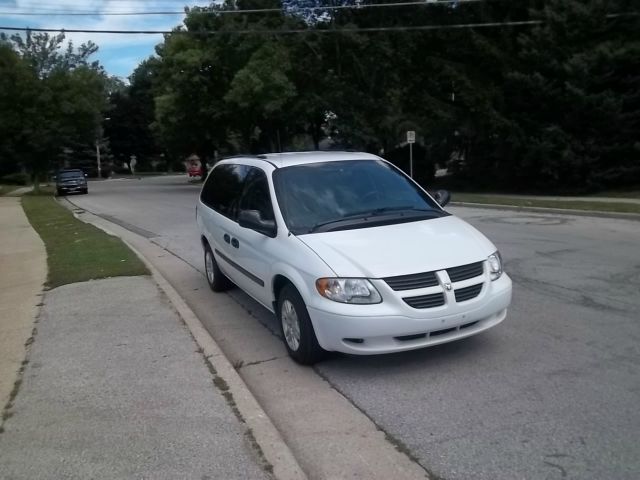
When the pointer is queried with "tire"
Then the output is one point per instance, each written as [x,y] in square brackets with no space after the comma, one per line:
[217,280]
[297,330]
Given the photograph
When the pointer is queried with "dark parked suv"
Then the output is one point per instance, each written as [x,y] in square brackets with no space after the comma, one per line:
[71,181]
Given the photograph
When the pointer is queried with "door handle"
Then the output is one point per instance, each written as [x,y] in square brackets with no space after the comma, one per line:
[227,238]
[235,243]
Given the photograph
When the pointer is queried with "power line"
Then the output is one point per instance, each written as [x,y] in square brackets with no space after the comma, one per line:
[457,26]
[245,11]
[284,31]
[94,14]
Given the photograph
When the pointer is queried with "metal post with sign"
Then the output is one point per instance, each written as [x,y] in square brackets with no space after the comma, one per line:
[411,139]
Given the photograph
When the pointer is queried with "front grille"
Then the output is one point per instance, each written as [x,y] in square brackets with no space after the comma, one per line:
[464,272]
[412,282]
[425,301]
[467,293]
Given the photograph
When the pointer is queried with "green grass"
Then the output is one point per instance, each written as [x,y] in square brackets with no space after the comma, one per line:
[619,193]
[77,251]
[562,204]
[47,191]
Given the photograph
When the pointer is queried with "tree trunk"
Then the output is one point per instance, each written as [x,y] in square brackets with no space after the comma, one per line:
[315,135]
[36,182]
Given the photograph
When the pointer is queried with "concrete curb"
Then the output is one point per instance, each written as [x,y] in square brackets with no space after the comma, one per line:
[276,452]
[560,211]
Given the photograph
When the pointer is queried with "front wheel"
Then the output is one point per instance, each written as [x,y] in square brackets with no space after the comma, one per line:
[218,282]
[297,329]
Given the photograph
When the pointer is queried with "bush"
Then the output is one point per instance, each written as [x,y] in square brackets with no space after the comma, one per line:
[121,170]
[15,179]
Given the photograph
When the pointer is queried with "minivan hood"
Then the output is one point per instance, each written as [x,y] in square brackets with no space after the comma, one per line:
[400,249]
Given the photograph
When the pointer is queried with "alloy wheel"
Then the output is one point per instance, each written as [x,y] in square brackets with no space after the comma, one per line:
[290,325]
[208,264]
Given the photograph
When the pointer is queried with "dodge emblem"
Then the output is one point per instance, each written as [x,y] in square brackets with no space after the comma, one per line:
[447,286]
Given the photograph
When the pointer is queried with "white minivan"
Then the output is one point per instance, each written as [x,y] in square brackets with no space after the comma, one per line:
[349,252]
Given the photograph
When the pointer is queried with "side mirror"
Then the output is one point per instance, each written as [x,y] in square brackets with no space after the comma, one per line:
[253,220]
[442,197]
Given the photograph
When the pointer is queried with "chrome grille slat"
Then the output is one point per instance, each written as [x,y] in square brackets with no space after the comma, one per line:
[413,281]
[425,301]
[464,272]
[467,293]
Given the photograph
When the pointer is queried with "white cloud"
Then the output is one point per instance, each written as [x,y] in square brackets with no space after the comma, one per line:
[141,45]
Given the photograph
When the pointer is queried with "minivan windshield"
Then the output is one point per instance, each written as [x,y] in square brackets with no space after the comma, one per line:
[321,197]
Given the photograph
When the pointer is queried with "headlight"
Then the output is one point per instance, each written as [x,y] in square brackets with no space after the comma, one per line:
[495,265]
[348,290]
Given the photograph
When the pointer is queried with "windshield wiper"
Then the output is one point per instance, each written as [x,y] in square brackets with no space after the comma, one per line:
[409,208]
[353,216]
[375,212]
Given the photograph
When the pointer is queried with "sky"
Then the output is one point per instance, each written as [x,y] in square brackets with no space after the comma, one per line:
[119,54]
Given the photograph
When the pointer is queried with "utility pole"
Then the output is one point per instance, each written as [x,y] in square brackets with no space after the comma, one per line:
[99,135]
[98,158]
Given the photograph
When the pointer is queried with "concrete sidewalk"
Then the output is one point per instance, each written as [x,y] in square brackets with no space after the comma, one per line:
[116,388]
[23,271]
[114,385]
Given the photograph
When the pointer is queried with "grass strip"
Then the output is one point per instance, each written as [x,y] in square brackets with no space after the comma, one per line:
[47,191]
[619,193]
[595,205]
[77,251]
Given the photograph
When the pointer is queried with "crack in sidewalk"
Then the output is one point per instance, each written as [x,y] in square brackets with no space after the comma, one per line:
[240,364]
[7,413]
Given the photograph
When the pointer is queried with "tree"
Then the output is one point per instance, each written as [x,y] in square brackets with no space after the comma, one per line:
[17,107]
[43,52]
[582,70]
[61,97]
[131,113]
[261,90]
[467,92]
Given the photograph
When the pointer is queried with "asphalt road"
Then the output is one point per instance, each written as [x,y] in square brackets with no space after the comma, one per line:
[553,392]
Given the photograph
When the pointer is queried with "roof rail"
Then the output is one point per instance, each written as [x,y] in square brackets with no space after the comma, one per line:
[260,157]
[255,157]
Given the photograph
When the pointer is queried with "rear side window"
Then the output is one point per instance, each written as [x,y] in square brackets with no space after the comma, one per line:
[256,194]
[223,188]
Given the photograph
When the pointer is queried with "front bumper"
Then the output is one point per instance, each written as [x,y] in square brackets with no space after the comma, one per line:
[71,188]
[365,335]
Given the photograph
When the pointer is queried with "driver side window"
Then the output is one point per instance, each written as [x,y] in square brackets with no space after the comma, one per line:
[255,195]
